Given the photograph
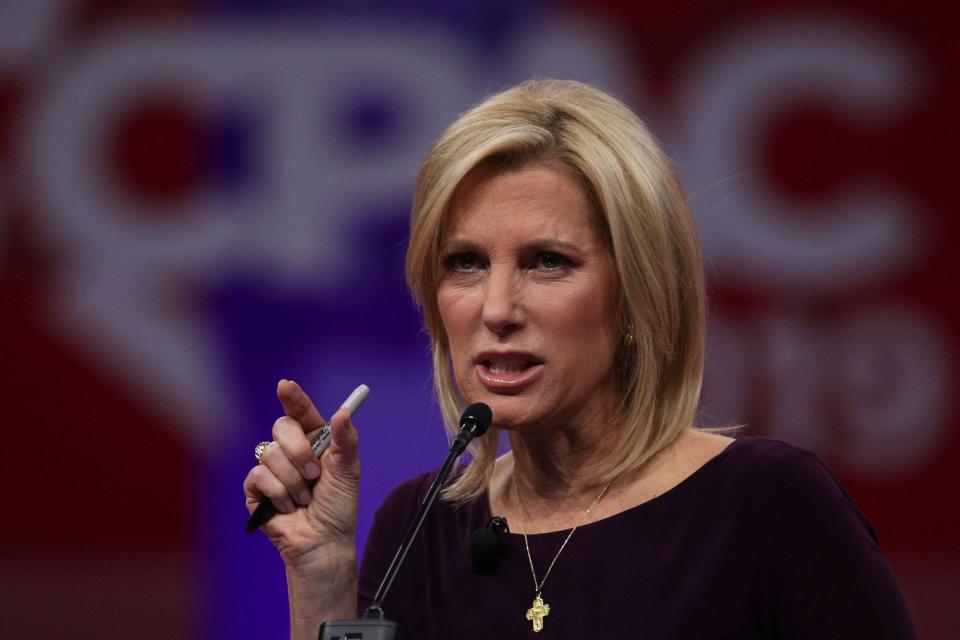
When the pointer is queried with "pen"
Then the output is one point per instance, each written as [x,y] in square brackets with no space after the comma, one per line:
[266,509]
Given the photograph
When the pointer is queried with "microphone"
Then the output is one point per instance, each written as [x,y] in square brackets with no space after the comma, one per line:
[484,550]
[473,423]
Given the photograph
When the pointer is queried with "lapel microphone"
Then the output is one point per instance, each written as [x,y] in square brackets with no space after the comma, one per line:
[485,548]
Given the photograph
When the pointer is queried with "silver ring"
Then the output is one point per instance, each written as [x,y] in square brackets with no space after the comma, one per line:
[259,450]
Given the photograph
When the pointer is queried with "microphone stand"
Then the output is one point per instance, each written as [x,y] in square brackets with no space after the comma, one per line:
[373,626]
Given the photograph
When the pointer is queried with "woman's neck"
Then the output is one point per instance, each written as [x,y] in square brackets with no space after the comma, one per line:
[553,468]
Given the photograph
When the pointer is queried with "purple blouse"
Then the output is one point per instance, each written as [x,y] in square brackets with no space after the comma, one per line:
[760,542]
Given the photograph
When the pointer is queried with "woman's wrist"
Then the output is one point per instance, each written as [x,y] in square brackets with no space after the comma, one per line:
[320,559]
[324,577]
[320,592]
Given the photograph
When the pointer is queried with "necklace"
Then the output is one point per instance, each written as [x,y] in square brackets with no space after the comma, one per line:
[540,609]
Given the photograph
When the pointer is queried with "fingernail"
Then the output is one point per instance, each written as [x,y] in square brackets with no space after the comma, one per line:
[291,507]
[311,470]
[304,497]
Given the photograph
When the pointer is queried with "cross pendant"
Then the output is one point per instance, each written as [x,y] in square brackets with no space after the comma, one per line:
[537,613]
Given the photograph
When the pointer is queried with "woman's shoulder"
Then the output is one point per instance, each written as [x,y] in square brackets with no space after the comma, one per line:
[764,459]
[732,471]
[820,554]
[393,515]
[714,460]
[407,496]
[444,520]
[789,483]
[762,449]
[408,493]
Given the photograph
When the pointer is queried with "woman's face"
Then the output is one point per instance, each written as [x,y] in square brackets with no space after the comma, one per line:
[528,298]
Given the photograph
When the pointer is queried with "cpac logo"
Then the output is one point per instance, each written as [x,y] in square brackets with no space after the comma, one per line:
[288,228]
[127,258]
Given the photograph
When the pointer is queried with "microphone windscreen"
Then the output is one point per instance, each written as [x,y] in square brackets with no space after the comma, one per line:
[479,415]
[484,550]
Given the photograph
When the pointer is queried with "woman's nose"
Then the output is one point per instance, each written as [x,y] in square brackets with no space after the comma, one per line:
[501,309]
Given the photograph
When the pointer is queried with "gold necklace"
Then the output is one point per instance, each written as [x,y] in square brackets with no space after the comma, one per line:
[540,609]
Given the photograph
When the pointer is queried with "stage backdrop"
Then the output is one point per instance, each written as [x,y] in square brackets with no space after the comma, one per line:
[200,198]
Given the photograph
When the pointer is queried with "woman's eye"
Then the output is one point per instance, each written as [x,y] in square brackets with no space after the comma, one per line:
[551,261]
[462,262]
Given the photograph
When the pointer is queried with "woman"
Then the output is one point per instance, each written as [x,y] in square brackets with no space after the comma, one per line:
[559,274]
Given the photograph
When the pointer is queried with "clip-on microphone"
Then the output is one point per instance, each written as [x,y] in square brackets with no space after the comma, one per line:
[474,422]
[485,548]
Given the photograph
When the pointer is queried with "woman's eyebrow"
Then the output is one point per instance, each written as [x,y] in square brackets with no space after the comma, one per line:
[457,246]
[460,246]
[549,245]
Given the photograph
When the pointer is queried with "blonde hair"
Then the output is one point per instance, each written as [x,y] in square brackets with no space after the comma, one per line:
[644,215]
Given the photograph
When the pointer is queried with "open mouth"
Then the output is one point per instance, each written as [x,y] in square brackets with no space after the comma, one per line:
[509,366]
[509,372]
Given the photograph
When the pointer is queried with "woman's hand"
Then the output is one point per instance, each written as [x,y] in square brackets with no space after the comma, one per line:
[315,526]
[315,529]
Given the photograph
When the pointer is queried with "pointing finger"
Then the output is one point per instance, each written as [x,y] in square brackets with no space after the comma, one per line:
[297,405]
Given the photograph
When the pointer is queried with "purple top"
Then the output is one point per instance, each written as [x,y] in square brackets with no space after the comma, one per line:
[760,542]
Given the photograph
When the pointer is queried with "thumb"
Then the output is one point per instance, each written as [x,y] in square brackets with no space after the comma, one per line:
[343,444]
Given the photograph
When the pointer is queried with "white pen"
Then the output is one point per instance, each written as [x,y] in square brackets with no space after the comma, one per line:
[322,440]
[266,510]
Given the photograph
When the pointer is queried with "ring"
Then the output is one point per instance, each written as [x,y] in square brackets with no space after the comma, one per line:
[259,450]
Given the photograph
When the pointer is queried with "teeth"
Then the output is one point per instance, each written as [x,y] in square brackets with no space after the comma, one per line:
[507,366]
